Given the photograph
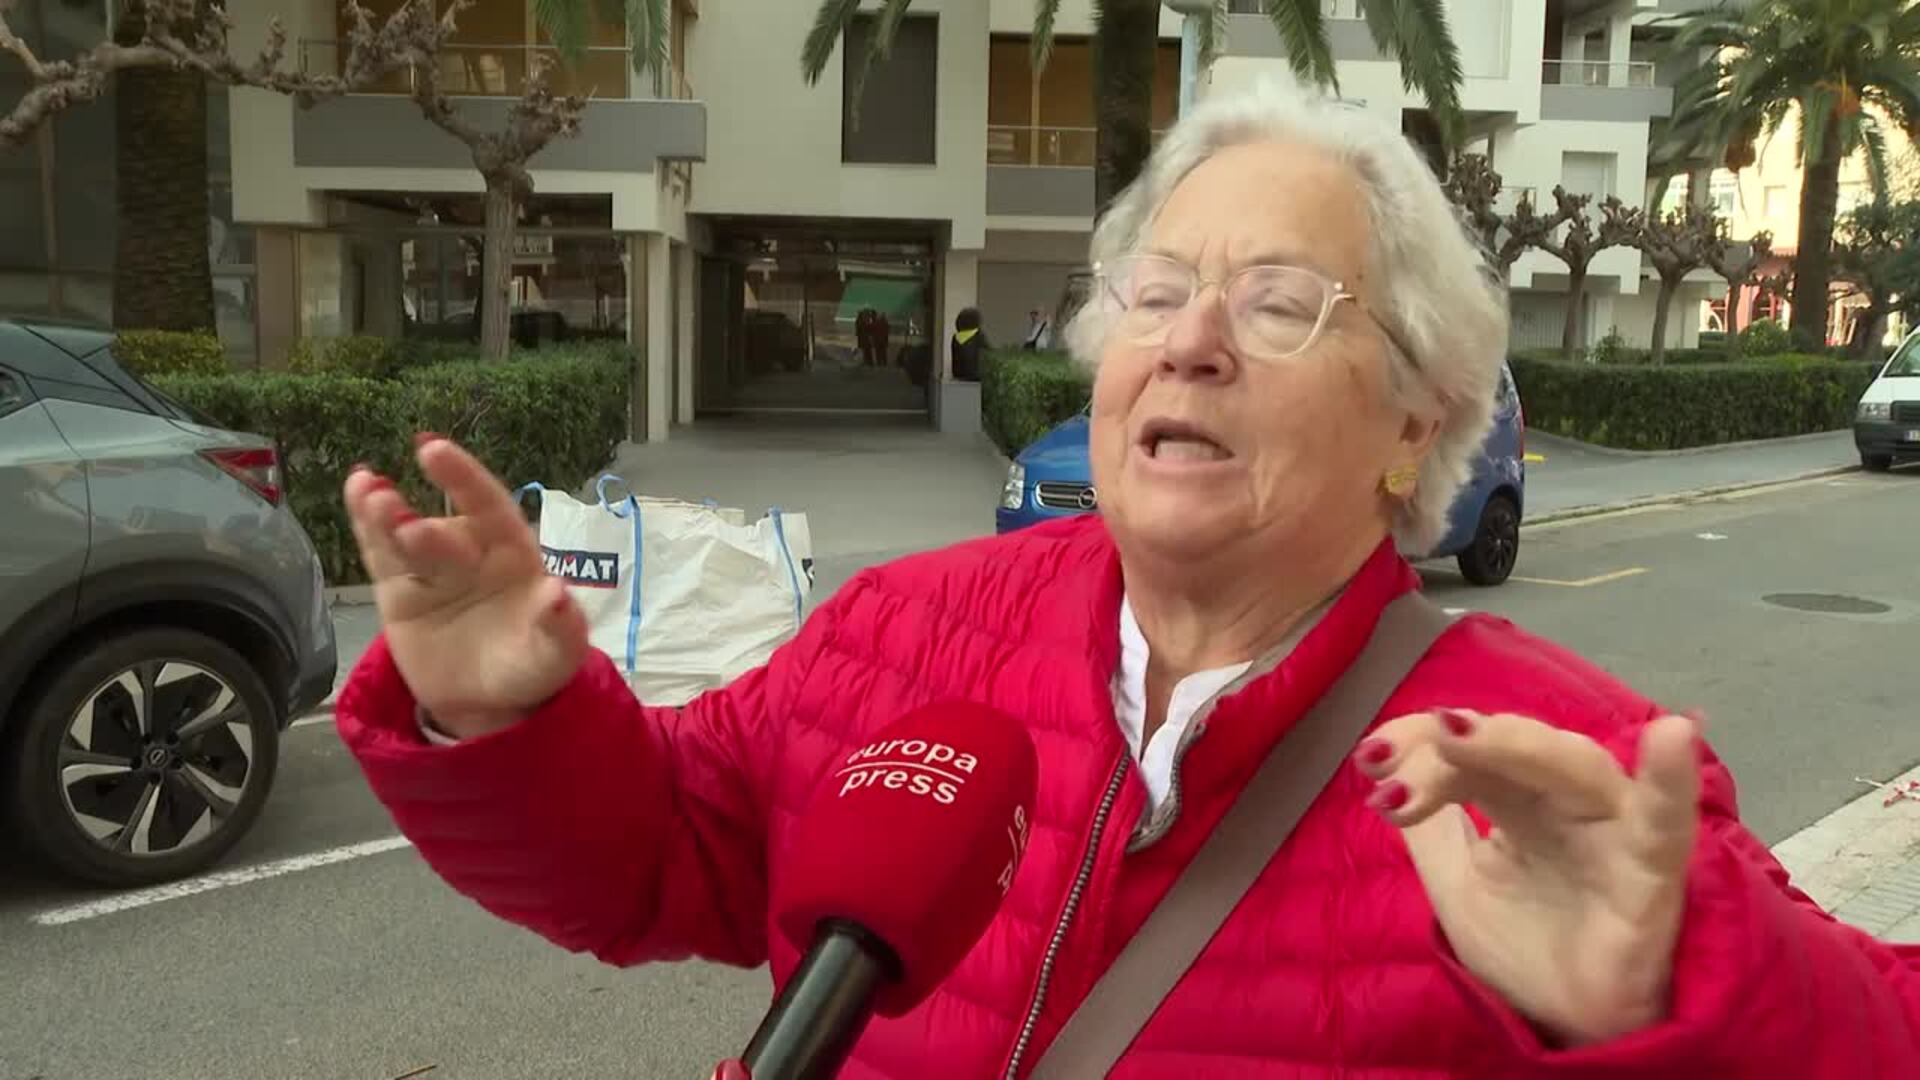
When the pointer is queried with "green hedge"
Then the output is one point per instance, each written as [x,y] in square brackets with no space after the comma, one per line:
[553,415]
[1023,394]
[1669,407]
[372,357]
[150,353]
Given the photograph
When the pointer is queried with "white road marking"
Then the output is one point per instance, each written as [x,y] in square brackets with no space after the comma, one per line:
[1710,536]
[1587,582]
[313,718]
[245,875]
[1454,612]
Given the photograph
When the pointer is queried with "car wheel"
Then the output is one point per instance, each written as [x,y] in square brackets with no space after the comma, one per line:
[1876,462]
[1496,543]
[145,758]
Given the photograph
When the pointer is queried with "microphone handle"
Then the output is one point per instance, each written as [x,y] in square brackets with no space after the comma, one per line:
[808,1032]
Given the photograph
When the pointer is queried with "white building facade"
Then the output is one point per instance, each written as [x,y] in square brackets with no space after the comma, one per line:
[768,247]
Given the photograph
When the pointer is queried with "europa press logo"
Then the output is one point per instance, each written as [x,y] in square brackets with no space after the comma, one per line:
[587,569]
[917,766]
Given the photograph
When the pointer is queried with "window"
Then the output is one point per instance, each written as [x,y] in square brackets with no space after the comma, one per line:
[1776,202]
[1587,174]
[1726,194]
[13,393]
[1048,120]
[895,120]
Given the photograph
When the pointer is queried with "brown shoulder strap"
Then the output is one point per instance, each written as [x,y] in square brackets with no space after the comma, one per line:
[1255,827]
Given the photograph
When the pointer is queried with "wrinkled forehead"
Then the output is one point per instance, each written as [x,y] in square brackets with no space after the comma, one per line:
[1267,202]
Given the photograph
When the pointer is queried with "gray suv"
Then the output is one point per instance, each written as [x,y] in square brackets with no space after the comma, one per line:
[162,616]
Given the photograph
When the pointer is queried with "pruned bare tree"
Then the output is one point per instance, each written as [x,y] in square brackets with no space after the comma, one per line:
[1740,265]
[1677,244]
[1578,245]
[184,34]
[1474,186]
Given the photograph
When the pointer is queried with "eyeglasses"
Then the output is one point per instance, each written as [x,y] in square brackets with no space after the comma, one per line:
[1272,312]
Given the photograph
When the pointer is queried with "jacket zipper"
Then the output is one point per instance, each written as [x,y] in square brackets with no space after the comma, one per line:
[1059,938]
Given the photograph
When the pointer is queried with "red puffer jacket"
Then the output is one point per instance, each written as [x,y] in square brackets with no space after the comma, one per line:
[646,834]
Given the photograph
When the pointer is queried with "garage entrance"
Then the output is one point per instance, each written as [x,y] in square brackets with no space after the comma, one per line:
[816,316]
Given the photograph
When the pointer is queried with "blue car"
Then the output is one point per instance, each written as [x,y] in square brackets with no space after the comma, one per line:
[1052,478]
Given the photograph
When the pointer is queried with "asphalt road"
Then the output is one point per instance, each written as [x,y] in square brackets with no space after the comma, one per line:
[369,969]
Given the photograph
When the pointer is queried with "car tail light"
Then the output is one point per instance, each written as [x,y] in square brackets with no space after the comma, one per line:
[256,467]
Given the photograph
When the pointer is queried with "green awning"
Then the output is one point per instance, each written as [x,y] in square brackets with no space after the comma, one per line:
[895,298]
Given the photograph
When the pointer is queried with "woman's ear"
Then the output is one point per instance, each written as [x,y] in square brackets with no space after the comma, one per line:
[1417,435]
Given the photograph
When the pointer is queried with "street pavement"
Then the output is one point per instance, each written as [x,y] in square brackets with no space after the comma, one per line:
[1564,476]
[369,967]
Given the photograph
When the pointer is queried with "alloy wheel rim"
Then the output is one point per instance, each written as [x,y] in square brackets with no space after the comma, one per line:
[156,759]
[1502,540]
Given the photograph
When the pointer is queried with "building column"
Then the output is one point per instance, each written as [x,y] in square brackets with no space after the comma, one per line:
[276,295]
[656,301]
[1619,48]
[956,405]
[686,287]
[1600,319]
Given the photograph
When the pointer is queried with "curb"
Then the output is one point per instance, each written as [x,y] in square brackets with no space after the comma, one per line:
[1686,451]
[1854,862]
[349,595]
[1675,498]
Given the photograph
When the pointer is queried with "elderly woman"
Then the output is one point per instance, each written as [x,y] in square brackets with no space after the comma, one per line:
[1295,347]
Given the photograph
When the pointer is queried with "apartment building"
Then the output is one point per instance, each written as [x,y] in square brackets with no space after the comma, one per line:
[769,246]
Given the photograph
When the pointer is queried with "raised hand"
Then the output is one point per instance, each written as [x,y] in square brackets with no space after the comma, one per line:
[477,628]
[1571,906]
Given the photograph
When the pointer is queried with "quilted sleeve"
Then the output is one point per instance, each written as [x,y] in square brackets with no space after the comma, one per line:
[1765,983]
[628,832]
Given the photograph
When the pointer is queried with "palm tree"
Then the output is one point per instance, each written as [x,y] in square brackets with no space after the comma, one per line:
[1841,66]
[162,272]
[1126,36]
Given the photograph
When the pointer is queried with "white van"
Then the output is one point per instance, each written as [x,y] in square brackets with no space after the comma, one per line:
[1886,427]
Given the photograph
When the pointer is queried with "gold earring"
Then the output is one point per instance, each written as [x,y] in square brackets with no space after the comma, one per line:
[1400,482]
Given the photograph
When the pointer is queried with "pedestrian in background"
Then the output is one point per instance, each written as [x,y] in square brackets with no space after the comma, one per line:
[969,345]
[1038,326]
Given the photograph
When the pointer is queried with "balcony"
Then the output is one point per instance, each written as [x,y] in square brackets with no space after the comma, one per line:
[1602,90]
[625,128]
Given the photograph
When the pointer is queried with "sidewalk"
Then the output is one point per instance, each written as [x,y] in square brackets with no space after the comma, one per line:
[876,489]
[1572,477]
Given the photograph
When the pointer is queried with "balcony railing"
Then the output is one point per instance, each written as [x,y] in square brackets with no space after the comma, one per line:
[602,73]
[1044,147]
[1603,73]
[1329,9]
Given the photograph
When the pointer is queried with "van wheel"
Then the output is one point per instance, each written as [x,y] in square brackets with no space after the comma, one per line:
[1876,462]
[1496,543]
[145,758]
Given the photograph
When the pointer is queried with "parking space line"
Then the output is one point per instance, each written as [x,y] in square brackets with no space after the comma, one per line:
[177,890]
[324,715]
[1583,583]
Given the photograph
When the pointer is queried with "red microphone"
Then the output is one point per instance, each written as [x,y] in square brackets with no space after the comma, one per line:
[898,866]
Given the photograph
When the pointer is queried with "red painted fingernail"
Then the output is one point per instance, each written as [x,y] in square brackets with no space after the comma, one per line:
[1391,795]
[404,516]
[1374,751]
[731,1070]
[381,483]
[424,437]
[1459,723]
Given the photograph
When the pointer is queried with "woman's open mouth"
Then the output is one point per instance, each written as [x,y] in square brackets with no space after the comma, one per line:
[1173,441]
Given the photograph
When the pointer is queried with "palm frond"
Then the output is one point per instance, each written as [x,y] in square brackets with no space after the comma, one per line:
[1418,35]
[879,45]
[1303,31]
[1044,14]
[1816,118]
[568,22]
[649,30]
[1873,141]
[829,23]
[1213,32]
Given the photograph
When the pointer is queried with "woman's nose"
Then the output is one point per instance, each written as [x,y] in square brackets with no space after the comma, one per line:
[1196,344]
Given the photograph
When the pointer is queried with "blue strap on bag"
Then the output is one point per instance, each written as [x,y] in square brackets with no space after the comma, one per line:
[627,508]
[793,576]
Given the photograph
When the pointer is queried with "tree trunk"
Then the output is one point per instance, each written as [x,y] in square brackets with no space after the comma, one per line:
[162,276]
[1570,333]
[496,269]
[1125,38]
[1813,262]
[1657,353]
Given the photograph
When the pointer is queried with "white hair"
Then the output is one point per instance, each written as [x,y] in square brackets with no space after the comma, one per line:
[1436,294]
